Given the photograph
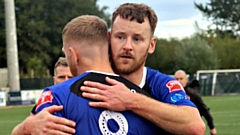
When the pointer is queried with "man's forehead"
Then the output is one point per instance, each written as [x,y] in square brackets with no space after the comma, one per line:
[121,25]
[121,19]
[62,68]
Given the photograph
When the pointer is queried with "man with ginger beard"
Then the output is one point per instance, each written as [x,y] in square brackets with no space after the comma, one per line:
[132,40]
[193,90]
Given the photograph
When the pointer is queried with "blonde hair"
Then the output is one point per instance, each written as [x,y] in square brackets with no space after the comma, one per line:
[86,27]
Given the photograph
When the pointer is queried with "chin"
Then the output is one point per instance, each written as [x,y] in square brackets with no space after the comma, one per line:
[125,70]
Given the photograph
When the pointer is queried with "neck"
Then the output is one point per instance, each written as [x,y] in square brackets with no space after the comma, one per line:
[97,65]
[135,77]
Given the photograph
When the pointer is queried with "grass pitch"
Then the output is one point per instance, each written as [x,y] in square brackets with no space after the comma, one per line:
[226,114]
[224,109]
[11,116]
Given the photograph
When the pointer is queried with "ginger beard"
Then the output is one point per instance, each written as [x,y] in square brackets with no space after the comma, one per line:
[130,44]
[126,67]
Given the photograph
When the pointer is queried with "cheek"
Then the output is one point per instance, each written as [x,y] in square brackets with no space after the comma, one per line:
[114,48]
[141,50]
[113,51]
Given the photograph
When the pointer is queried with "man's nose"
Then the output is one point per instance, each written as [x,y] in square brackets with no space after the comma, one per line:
[128,45]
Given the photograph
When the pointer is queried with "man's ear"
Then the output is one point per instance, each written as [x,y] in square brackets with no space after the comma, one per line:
[74,55]
[152,45]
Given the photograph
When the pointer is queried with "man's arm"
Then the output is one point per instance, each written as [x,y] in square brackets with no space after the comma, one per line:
[204,111]
[45,123]
[202,107]
[175,119]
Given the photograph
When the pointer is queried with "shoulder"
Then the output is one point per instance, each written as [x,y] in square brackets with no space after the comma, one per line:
[161,84]
[62,89]
[156,76]
[194,84]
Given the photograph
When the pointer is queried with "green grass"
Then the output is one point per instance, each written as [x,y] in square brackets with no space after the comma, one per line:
[11,116]
[226,114]
[224,109]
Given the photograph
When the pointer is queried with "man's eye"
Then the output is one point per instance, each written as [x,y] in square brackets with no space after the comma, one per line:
[61,77]
[137,39]
[120,37]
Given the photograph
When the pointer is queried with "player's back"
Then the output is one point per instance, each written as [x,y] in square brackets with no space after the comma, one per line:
[98,121]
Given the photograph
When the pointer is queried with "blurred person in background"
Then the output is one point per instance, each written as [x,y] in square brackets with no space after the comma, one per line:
[61,71]
[193,91]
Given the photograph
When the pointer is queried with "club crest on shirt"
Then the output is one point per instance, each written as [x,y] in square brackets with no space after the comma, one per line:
[46,97]
[174,86]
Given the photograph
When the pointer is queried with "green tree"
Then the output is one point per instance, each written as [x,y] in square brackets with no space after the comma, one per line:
[227,49]
[195,54]
[35,68]
[39,26]
[163,58]
[224,15]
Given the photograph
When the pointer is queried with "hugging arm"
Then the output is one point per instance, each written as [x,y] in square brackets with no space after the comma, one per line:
[45,123]
[172,118]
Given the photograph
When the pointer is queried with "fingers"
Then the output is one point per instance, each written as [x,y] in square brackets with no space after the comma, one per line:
[53,109]
[58,125]
[111,81]
[52,132]
[93,96]
[89,89]
[63,121]
[98,104]
[95,85]
[54,123]
[63,128]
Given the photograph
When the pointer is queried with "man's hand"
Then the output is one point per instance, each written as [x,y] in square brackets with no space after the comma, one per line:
[213,131]
[45,123]
[115,96]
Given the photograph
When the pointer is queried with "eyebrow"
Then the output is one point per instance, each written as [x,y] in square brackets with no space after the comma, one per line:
[64,76]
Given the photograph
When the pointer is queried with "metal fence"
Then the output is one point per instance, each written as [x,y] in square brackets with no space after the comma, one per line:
[35,83]
[225,84]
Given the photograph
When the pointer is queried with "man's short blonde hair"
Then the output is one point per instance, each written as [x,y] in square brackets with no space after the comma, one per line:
[86,27]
